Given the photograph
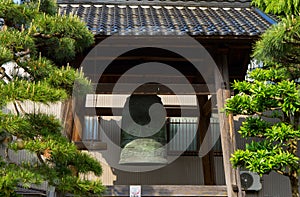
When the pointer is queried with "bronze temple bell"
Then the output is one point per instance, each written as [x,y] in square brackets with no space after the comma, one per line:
[143,132]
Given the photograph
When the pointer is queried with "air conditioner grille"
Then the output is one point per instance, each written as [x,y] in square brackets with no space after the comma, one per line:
[250,181]
[246,180]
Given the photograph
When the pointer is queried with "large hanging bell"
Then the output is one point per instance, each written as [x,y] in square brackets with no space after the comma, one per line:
[143,133]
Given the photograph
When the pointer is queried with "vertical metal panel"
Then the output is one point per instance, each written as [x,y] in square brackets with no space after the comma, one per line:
[91,128]
[219,169]
[186,170]
[107,177]
[274,185]
[215,133]
[186,130]
[110,127]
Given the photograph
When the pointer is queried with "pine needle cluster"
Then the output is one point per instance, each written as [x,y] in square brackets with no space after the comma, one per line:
[37,44]
[271,100]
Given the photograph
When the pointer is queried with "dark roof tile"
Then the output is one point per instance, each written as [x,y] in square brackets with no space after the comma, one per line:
[108,19]
[216,3]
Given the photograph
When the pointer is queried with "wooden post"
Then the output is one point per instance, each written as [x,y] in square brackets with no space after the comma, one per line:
[67,118]
[208,159]
[232,176]
[71,122]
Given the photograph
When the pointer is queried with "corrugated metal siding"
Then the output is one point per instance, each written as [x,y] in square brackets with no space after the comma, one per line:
[185,128]
[186,170]
[215,133]
[107,176]
[274,184]
[91,128]
[186,131]
[219,170]
[110,127]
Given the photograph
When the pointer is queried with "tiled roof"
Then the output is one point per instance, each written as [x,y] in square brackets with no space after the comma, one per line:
[125,19]
[210,3]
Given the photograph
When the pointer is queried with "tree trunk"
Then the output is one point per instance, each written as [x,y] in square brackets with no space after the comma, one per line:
[294,184]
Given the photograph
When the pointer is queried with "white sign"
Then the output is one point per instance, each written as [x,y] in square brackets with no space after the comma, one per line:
[135,191]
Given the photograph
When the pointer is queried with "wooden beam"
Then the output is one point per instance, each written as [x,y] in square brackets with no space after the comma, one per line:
[145,58]
[165,79]
[197,89]
[205,140]
[169,190]
[169,40]
[106,111]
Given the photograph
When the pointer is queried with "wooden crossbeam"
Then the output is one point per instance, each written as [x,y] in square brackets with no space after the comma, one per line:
[172,112]
[145,58]
[197,89]
[169,190]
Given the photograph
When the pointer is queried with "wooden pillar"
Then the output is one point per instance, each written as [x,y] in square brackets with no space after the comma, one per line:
[208,159]
[71,121]
[68,118]
[232,176]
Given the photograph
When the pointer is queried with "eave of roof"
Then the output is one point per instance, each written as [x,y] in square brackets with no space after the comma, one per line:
[204,3]
[162,18]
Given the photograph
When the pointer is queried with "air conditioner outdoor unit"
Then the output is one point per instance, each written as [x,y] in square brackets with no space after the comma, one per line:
[250,181]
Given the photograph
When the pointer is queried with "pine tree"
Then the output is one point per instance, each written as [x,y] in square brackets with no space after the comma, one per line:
[38,43]
[274,92]
[280,8]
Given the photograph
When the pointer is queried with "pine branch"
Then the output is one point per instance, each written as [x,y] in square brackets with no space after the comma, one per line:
[282,172]
[47,36]
[16,108]
[22,53]
[20,107]
[40,158]
[57,39]
[4,75]
[7,155]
